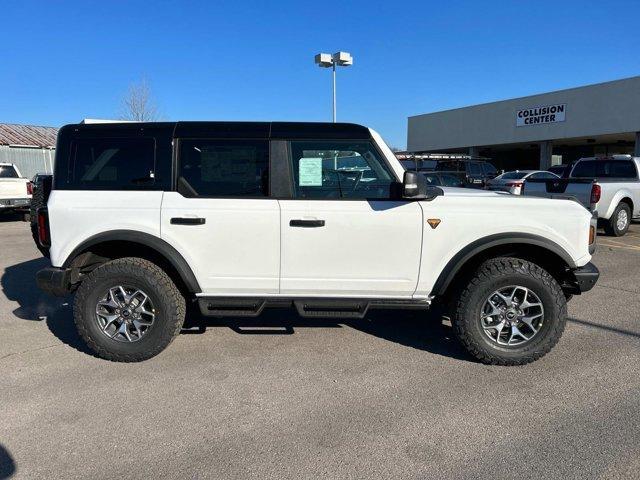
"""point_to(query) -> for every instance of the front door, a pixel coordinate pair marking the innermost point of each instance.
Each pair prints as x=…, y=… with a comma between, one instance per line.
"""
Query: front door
x=222, y=220
x=343, y=234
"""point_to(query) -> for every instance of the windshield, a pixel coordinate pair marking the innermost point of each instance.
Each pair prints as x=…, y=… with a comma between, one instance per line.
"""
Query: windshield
x=7, y=171
x=512, y=175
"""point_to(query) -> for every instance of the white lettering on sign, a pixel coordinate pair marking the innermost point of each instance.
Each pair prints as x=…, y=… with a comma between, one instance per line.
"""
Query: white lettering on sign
x=537, y=115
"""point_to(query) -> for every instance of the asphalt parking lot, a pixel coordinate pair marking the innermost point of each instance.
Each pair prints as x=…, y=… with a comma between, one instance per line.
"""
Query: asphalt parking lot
x=391, y=396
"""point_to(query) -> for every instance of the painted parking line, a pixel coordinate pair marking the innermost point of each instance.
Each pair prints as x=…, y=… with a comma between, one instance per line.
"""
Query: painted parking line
x=613, y=244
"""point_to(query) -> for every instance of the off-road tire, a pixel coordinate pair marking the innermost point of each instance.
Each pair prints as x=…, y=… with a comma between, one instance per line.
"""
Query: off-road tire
x=611, y=227
x=492, y=275
x=168, y=301
x=38, y=200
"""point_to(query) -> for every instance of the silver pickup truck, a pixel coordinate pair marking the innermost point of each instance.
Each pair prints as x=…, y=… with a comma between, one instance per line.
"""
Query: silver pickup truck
x=609, y=186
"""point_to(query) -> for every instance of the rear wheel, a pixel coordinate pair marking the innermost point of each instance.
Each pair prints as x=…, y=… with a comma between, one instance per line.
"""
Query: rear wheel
x=128, y=310
x=618, y=224
x=509, y=312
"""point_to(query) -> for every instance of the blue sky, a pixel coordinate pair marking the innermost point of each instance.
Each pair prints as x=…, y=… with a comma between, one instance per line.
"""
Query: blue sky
x=245, y=60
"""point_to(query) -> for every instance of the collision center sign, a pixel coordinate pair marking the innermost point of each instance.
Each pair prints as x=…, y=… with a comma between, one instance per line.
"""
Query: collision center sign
x=537, y=115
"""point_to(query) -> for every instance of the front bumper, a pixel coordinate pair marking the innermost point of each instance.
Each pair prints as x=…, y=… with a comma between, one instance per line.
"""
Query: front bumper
x=585, y=277
x=54, y=281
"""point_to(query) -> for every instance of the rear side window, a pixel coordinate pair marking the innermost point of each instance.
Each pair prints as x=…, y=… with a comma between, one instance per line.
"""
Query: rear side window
x=112, y=164
x=474, y=169
x=223, y=168
x=453, y=166
x=451, y=181
x=489, y=169
x=605, y=169
x=409, y=164
x=7, y=171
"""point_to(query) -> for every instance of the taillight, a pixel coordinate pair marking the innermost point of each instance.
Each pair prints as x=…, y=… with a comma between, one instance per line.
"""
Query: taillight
x=43, y=228
x=596, y=191
x=514, y=184
x=29, y=188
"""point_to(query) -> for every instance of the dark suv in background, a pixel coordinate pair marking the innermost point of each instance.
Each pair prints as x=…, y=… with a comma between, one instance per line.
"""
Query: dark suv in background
x=477, y=172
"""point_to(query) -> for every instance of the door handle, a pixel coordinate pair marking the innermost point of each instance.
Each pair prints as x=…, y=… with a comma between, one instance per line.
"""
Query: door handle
x=306, y=223
x=187, y=221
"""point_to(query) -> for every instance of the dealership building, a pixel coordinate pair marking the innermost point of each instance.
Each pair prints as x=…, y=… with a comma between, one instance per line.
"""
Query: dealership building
x=537, y=131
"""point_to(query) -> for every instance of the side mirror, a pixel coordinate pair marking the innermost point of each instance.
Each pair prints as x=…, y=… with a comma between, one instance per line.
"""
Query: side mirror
x=415, y=187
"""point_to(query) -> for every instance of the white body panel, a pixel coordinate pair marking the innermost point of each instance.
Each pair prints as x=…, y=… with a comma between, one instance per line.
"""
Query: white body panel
x=365, y=249
x=613, y=192
x=467, y=216
x=237, y=250
x=76, y=215
x=13, y=188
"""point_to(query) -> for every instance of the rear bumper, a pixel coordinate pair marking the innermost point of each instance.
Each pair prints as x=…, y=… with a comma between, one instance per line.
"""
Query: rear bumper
x=12, y=203
x=586, y=277
x=54, y=281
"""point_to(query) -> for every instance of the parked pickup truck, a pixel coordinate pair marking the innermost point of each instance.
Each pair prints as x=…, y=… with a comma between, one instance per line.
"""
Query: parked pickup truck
x=609, y=186
x=144, y=219
x=15, y=191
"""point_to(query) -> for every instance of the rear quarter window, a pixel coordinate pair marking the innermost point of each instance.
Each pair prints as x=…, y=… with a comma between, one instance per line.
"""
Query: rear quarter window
x=110, y=164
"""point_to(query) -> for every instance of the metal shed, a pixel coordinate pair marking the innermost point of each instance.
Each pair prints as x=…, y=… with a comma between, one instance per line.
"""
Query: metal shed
x=30, y=148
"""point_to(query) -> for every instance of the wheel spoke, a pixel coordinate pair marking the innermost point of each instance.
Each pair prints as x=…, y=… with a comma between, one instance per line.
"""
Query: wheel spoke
x=515, y=331
x=496, y=326
x=505, y=299
x=137, y=326
x=495, y=310
x=109, y=319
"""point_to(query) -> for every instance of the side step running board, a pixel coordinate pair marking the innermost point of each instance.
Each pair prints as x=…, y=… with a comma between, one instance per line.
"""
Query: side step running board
x=231, y=307
x=331, y=308
x=306, y=307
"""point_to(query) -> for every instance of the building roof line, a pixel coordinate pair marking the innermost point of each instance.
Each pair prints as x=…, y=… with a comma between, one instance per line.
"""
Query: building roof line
x=636, y=77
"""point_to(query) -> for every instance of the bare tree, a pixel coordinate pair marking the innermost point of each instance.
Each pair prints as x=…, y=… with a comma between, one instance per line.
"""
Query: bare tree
x=139, y=105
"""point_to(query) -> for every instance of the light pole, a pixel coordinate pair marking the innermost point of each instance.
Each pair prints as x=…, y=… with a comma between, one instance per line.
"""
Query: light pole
x=340, y=59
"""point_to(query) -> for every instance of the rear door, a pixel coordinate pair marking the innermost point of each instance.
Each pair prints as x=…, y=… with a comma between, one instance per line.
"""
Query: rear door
x=343, y=233
x=221, y=218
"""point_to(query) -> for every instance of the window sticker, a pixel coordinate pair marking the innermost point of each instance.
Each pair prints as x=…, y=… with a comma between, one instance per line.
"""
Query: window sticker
x=310, y=172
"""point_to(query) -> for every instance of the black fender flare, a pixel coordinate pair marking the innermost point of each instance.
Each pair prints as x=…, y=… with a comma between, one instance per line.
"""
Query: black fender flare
x=160, y=246
x=474, y=248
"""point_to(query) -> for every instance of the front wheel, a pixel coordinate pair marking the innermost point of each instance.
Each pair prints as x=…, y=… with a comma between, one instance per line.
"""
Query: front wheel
x=128, y=310
x=509, y=312
x=619, y=222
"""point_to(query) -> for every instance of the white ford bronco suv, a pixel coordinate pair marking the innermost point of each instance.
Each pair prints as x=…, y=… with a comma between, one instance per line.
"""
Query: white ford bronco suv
x=145, y=218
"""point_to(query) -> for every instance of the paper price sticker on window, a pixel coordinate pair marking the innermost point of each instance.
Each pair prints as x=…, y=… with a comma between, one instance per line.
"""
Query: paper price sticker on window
x=310, y=172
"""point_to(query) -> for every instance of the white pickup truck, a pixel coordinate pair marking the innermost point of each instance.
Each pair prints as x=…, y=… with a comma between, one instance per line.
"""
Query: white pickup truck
x=609, y=186
x=235, y=217
x=15, y=191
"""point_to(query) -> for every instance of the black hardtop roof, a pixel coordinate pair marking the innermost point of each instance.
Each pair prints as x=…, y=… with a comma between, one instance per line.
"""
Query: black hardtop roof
x=195, y=129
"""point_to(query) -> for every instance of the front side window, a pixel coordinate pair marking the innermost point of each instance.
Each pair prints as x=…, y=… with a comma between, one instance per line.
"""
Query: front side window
x=223, y=168
x=339, y=169
x=112, y=164
x=8, y=171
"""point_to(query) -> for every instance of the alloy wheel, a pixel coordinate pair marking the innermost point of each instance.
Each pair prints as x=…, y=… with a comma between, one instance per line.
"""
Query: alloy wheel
x=125, y=313
x=512, y=316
